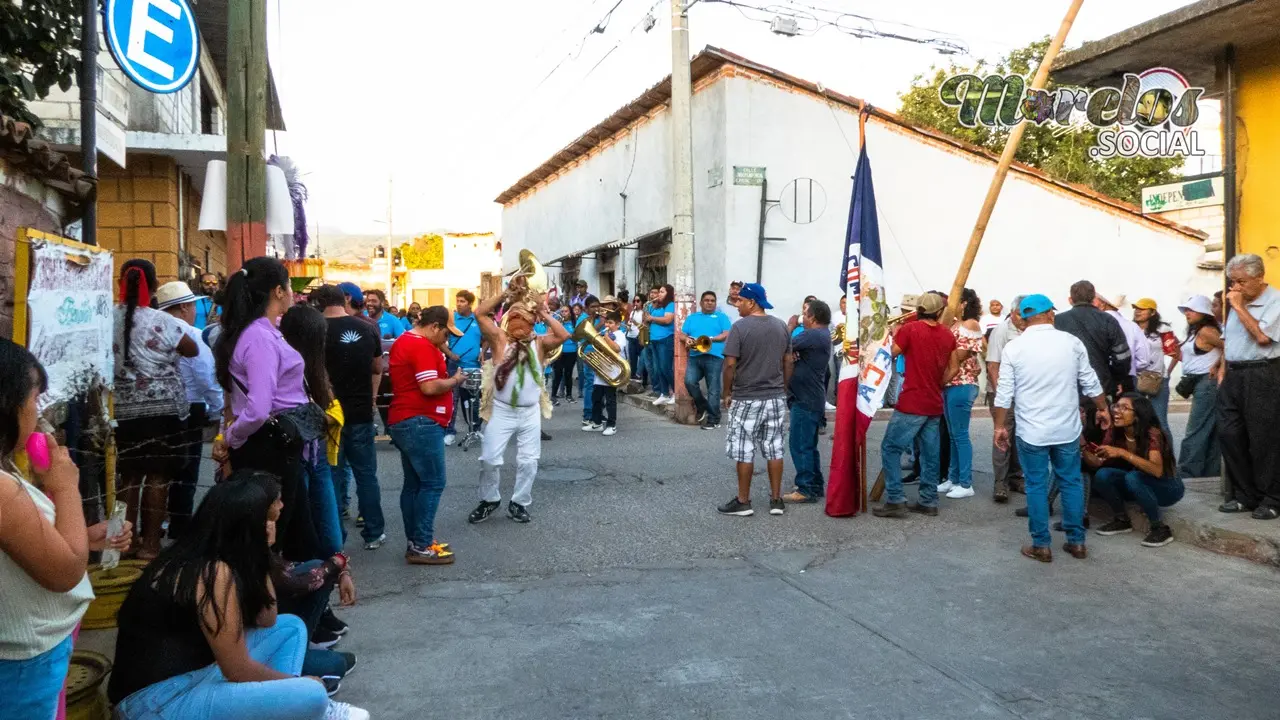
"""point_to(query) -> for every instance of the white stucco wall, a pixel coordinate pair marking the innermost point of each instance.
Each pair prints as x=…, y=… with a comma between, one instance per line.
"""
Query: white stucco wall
x=1040, y=239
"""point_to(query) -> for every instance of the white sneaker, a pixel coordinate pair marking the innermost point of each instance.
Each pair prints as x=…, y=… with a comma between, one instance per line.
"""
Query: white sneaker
x=611, y=431
x=660, y=400
x=343, y=711
x=960, y=492
x=592, y=427
x=831, y=408
x=668, y=400
x=448, y=439
x=946, y=486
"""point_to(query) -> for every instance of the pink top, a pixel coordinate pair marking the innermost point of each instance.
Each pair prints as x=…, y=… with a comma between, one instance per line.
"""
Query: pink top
x=971, y=340
x=272, y=371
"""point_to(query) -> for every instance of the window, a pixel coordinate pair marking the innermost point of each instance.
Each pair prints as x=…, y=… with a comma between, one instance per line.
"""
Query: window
x=606, y=283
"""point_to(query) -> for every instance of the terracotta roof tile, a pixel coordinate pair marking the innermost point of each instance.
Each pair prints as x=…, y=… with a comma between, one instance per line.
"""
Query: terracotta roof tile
x=34, y=156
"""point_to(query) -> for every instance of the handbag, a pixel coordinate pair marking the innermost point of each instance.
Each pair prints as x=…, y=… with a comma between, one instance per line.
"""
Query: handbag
x=1150, y=382
x=1187, y=385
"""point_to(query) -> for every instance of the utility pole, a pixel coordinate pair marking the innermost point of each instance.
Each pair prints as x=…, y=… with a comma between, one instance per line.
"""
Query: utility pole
x=246, y=131
x=391, y=270
x=89, y=114
x=680, y=267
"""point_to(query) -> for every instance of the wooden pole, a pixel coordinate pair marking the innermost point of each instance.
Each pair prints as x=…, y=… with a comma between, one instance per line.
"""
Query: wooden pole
x=1006, y=159
x=246, y=131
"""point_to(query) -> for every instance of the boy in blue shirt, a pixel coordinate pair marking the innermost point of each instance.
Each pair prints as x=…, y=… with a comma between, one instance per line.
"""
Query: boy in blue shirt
x=713, y=323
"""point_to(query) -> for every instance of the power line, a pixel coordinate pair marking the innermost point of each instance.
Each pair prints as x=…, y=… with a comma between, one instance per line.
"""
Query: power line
x=855, y=25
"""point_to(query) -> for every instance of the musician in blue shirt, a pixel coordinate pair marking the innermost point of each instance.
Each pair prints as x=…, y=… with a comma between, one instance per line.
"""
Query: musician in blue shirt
x=706, y=365
x=464, y=349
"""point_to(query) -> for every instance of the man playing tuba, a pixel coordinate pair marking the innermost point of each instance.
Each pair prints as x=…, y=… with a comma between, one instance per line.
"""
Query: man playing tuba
x=514, y=397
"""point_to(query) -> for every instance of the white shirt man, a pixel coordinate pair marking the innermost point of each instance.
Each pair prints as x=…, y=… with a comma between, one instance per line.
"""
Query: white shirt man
x=1139, y=348
x=1045, y=371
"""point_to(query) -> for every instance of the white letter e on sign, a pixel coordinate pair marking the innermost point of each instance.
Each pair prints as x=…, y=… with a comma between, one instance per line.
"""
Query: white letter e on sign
x=143, y=25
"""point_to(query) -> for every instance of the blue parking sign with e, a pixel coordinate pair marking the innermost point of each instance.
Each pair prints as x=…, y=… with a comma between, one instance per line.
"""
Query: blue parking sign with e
x=155, y=42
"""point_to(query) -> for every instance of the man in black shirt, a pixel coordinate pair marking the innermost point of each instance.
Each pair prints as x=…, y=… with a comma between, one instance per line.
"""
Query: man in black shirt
x=807, y=394
x=1102, y=337
x=353, y=357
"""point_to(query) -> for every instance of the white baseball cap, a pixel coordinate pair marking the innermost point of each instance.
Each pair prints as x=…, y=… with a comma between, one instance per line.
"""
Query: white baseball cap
x=1197, y=303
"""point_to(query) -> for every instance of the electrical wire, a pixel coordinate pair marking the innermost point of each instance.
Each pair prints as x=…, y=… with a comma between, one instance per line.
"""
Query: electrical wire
x=811, y=23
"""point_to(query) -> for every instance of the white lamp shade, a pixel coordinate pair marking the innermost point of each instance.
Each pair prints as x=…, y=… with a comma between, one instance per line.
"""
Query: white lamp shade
x=213, y=206
x=279, y=203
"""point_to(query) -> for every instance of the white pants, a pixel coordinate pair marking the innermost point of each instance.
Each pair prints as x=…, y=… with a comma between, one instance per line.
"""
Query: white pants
x=526, y=424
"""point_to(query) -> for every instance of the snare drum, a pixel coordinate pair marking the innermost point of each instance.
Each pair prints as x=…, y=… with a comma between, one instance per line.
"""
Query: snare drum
x=472, y=383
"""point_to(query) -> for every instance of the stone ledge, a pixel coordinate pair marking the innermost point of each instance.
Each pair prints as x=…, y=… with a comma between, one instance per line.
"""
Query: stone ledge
x=1196, y=521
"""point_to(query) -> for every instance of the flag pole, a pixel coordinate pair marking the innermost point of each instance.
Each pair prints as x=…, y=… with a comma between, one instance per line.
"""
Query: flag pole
x=861, y=449
x=1006, y=159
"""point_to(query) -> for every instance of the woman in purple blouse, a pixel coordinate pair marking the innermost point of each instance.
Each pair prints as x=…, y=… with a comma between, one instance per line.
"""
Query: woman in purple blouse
x=271, y=417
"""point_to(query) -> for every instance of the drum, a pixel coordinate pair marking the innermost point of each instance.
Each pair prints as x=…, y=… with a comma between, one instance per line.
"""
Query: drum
x=472, y=383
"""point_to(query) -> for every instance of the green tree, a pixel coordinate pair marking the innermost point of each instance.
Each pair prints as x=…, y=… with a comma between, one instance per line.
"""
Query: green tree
x=39, y=48
x=426, y=253
x=1060, y=153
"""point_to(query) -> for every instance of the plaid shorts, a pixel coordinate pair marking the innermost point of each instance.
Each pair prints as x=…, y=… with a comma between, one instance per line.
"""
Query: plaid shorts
x=756, y=423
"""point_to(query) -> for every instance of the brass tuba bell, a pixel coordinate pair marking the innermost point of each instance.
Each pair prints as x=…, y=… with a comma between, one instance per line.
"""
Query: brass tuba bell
x=607, y=363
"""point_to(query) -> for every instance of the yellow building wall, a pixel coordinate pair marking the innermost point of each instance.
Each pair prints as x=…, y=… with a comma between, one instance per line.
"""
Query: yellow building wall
x=1258, y=155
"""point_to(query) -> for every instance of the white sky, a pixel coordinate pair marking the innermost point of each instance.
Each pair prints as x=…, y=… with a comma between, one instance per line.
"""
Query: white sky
x=445, y=96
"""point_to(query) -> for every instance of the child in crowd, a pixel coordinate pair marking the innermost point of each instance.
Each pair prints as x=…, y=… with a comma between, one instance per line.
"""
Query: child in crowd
x=604, y=397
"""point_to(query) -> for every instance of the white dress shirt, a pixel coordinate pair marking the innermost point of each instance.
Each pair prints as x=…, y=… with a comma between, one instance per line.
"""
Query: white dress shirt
x=1139, y=348
x=1044, y=371
x=198, y=376
x=1239, y=345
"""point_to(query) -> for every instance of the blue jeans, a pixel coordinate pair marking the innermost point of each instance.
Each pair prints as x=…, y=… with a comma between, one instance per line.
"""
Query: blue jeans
x=705, y=367
x=421, y=443
x=358, y=453
x=633, y=353
x=804, y=451
x=1161, y=404
x=899, y=437
x=1065, y=461
x=662, y=361
x=32, y=686
x=323, y=501
x=586, y=379
x=205, y=694
x=1200, y=455
x=958, y=404
x=1150, y=493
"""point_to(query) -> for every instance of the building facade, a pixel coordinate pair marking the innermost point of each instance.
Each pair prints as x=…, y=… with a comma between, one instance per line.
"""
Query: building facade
x=601, y=208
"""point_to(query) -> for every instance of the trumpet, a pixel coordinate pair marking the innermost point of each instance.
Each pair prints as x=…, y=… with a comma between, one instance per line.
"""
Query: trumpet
x=702, y=344
x=607, y=363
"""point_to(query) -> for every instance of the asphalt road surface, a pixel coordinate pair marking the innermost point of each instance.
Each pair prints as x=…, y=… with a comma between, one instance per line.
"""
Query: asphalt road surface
x=628, y=596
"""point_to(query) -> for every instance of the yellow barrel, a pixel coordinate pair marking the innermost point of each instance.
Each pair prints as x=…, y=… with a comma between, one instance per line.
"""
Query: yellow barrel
x=110, y=588
x=85, y=697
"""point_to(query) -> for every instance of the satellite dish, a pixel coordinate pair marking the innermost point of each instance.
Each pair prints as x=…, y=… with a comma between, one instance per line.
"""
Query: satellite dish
x=803, y=200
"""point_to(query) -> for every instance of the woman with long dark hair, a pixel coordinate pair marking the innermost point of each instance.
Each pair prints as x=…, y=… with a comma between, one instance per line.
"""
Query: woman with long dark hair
x=272, y=416
x=960, y=390
x=151, y=406
x=1135, y=463
x=199, y=633
x=1201, y=354
x=304, y=328
x=562, y=374
x=44, y=549
x=662, y=343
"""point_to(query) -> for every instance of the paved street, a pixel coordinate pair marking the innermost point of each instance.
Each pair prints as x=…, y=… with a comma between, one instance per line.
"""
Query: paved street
x=629, y=597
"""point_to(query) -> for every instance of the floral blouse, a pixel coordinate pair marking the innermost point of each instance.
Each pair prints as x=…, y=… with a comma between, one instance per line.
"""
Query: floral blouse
x=971, y=340
x=149, y=383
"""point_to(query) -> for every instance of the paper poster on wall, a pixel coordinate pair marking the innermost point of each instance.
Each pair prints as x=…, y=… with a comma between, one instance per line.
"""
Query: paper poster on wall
x=63, y=312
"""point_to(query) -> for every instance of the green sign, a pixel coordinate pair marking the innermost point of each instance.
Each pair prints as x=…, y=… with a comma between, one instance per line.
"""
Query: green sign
x=748, y=175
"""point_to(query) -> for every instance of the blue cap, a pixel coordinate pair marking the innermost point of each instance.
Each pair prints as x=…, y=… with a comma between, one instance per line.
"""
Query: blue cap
x=755, y=293
x=1033, y=305
x=352, y=291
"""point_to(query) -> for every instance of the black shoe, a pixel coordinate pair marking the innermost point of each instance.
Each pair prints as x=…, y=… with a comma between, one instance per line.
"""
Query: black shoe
x=1234, y=506
x=546, y=435
x=350, y=660
x=555, y=403
x=332, y=684
x=702, y=416
x=736, y=507
x=323, y=639
x=1000, y=496
x=890, y=510
x=570, y=401
x=516, y=512
x=776, y=506
x=1020, y=512
x=483, y=511
x=917, y=508
x=1265, y=512
x=708, y=425
x=330, y=622
x=1118, y=525
x=911, y=479
x=359, y=521
x=1159, y=536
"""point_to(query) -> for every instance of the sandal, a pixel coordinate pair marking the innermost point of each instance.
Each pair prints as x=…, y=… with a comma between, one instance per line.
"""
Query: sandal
x=1232, y=506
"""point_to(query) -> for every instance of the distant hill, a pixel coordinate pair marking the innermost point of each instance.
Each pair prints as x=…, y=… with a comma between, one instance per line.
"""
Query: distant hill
x=344, y=247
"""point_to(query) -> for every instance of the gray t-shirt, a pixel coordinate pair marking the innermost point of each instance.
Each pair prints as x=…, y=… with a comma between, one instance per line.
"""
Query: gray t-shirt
x=759, y=342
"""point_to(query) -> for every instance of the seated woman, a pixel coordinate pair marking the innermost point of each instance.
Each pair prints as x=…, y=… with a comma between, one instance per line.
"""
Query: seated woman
x=1135, y=463
x=199, y=630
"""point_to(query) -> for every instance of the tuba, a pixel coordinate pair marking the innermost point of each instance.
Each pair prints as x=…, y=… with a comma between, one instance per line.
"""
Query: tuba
x=604, y=360
x=702, y=344
x=526, y=290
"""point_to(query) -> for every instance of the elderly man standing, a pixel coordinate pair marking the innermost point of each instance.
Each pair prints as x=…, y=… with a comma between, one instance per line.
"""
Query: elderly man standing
x=1044, y=371
x=1248, y=405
